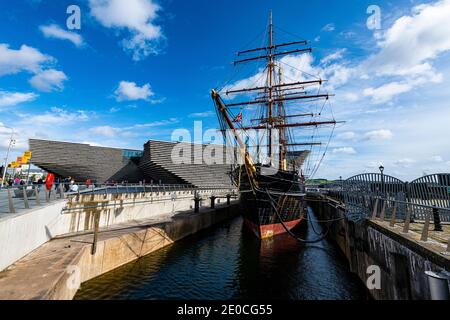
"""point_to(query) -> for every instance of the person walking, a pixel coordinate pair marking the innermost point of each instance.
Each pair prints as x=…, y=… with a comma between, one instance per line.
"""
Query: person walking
x=40, y=182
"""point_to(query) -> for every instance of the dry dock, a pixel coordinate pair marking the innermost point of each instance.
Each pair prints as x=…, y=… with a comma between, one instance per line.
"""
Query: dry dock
x=96, y=233
x=402, y=257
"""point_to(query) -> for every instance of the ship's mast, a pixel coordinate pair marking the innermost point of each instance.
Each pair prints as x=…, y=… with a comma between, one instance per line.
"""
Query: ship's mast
x=270, y=73
x=274, y=93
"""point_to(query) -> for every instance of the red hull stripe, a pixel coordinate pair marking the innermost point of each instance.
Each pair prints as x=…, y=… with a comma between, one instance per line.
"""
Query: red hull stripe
x=271, y=230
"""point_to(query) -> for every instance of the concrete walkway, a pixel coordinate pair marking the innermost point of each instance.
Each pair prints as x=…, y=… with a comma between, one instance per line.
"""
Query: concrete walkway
x=56, y=269
x=19, y=204
x=437, y=242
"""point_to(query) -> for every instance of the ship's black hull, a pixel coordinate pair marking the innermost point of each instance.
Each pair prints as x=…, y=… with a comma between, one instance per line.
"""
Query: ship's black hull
x=282, y=190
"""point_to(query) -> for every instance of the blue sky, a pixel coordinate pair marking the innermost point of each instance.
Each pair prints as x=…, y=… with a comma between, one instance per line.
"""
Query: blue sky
x=137, y=70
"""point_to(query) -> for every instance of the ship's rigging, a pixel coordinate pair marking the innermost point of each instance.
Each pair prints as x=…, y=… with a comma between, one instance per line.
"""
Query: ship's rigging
x=272, y=98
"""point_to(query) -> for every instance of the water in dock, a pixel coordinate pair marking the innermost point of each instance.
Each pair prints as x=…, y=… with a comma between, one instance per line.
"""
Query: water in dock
x=228, y=262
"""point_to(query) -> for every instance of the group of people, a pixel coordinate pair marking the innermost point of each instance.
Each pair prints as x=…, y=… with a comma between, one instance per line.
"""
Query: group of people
x=68, y=183
x=14, y=182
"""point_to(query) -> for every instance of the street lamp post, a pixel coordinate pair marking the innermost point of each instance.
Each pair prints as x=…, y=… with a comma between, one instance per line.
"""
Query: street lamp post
x=12, y=142
x=382, y=180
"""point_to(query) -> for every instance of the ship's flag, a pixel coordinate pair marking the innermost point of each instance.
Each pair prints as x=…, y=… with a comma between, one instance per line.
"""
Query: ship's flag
x=238, y=118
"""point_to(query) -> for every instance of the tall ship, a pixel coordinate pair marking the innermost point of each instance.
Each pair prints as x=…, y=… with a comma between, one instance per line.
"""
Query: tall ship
x=273, y=125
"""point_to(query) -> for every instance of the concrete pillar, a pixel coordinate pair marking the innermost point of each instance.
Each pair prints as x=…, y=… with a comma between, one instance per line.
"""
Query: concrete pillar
x=36, y=192
x=10, y=202
x=383, y=210
x=394, y=213
x=375, y=209
x=424, y=236
x=61, y=191
x=407, y=218
x=25, y=198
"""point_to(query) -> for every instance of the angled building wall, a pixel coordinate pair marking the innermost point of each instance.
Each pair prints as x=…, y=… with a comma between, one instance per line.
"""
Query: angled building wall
x=158, y=158
x=83, y=161
x=155, y=163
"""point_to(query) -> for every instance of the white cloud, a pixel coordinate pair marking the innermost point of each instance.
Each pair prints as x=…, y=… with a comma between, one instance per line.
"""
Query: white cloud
x=346, y=135
x=158, y=101
x=155, y=124
x=345, y=150
x=106, y=131
x=111, y=132
x=404, y=163
x=382, y=134
x=334, y=56
x=386, y=92
x=329, y=27
x=24, y=59
x=56, y=116
x=129, y=91
x=49, y=80
x=204, y=114
x=351, y=96
x=437, y=159
x=412, y=40
x=55, y=31
x=9, y=99
x=373, y=165
x=137, y=17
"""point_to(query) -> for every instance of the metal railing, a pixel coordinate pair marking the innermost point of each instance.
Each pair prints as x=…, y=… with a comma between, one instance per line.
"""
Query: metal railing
x=403, y=212
x=16, y=198
x=395, y=211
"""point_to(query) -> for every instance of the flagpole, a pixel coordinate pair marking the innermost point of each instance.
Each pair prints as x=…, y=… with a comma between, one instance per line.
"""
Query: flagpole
x=11, y=144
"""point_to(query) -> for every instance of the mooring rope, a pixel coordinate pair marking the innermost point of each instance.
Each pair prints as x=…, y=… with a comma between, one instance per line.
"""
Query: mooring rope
x=289, y=231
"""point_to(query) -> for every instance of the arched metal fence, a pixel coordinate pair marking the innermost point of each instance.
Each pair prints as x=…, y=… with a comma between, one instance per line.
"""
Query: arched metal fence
x=431, y=191
x=426, y=196
x=361, y=191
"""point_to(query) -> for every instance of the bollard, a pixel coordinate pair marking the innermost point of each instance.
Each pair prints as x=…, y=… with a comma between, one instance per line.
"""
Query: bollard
x=383, y=210
x=424, y=236
x=448, y=245
x=407, y=219
x=61, y=191
x=438, y=284
x=375, y=209
x=36, y=192
x=394, y=213
x=437, y=220
x=11, y=203
x=213, y=202
x=25, y=198
x=228, y=199
x=197, y=204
